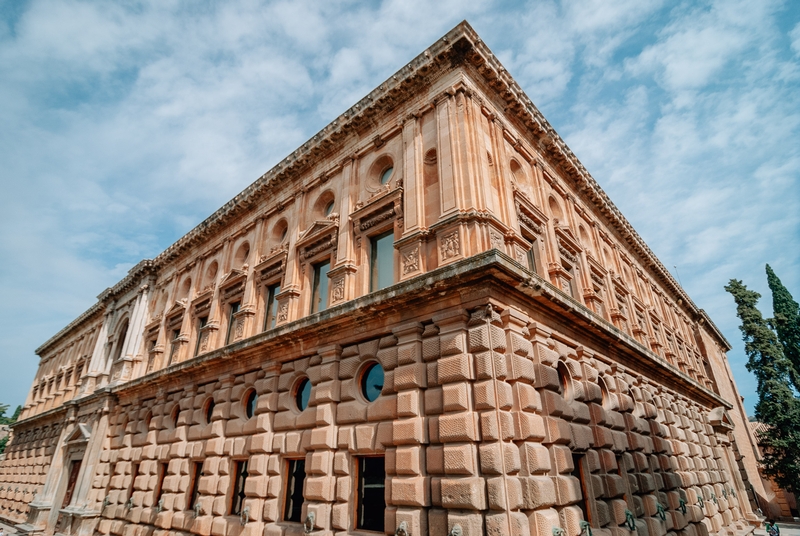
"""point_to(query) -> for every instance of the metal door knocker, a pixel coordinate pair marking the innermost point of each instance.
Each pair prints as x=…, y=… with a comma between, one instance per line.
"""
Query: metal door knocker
x=682, y=506
x=402, y=530
x=585, y=528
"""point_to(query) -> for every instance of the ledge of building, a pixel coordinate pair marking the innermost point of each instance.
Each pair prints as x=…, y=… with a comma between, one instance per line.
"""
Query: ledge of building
x=493, y=267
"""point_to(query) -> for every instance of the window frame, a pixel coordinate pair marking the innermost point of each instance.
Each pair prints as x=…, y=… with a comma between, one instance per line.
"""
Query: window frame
x=194, y=484
x=239, y=470
x=316, y=285
x=374, y=274
x=271, y=305
x=202, y=322
x=358, y=498
x=233, y=306
x=288, y=496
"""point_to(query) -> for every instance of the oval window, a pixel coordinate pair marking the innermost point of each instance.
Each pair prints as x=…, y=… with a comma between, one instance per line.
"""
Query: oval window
x=209, y=410
x=328, y=208
x=386, y=175
x=250, y=404
x=303, y=394
x=372, y=382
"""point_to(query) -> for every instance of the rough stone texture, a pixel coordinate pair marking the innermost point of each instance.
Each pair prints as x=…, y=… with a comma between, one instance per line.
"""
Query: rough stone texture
x=522, y=392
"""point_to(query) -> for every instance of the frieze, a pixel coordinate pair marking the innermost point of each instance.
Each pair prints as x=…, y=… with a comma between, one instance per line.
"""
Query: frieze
x=567, y=254
x=233, y=290
x=318, y=247
x=378, y=218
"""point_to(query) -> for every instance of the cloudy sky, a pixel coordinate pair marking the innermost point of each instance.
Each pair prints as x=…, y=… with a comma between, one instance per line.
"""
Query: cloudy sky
x=124, y=124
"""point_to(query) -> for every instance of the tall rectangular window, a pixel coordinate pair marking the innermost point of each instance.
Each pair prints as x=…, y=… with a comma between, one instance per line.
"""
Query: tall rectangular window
x=239, y=478
x=532, y=254
x=296, y=478
x=319, y=293
x=162, y=474
x=381, y=265
x=234, y=308
x=134, y=476
x=174, y=345
x=194, y=488
x=271, y=314
x=74, y=470
x=370, y=496
x=201, y=323
x=577, y=472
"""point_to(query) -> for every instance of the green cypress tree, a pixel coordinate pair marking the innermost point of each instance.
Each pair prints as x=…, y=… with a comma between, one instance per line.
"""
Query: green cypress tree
x=786, y=322
x=777, y=406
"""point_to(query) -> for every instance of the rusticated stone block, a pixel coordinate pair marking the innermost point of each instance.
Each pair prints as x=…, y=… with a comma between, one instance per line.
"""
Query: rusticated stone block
x=460, y=459
x=535, y=458
x=537, y=492
x=468, y=493
x=456, y=396
x=561, y=457
x=410, y=491
x=471, y=524
x=542, y=522
x=568, y=489
x=458, y=427
x=454, y=368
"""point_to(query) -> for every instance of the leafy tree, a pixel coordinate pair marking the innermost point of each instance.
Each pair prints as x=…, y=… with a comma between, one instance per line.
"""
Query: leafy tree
x=7, y=420
x=777, y=406
x=13, y=418
x=786, y=322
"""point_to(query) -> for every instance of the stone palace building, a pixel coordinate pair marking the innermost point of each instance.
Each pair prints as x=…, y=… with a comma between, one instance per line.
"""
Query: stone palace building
x=428, y=319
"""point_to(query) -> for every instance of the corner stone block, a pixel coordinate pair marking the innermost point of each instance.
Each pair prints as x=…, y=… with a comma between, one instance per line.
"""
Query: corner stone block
x=542, y=522
x=466, y=493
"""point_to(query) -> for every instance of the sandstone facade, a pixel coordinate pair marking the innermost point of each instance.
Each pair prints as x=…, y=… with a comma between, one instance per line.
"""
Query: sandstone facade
x=542, y=372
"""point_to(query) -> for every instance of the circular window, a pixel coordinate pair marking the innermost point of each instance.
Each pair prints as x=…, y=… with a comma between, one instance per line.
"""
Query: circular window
x=250, y=404
x=386, y=175
x=372, y=382
x=209, y=410
x=303, y=394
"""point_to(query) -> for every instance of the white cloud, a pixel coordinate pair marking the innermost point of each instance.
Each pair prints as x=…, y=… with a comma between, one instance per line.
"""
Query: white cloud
x=122, y=127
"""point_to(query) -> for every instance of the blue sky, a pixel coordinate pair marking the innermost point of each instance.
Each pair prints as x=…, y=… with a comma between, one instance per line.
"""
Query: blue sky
x=123, y=125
